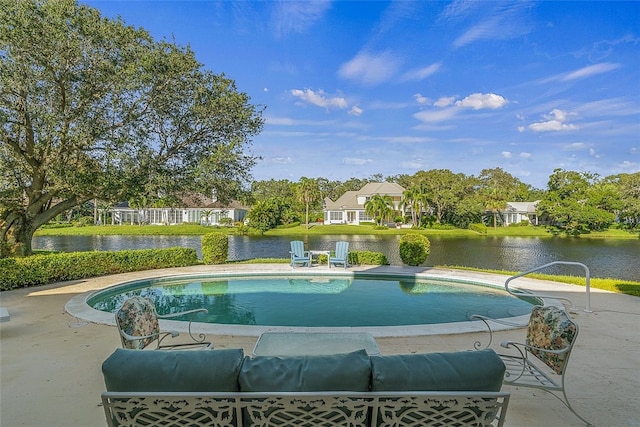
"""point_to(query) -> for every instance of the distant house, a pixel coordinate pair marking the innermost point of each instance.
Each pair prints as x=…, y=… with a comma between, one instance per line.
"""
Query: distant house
x=516, y=212
x=349, y=208
x=195, y=209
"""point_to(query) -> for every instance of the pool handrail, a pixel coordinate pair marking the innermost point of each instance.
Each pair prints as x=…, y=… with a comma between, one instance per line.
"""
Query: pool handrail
x=587, y=287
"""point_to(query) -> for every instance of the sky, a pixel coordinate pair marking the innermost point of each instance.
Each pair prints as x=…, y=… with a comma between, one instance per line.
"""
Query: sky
x=357, y=88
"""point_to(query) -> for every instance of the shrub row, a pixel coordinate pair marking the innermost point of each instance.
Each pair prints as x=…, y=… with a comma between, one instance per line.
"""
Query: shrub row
x=42, y=269
x=361, y=258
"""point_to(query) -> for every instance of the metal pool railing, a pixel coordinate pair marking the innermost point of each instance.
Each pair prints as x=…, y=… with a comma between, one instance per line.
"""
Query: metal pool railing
x=587, y=276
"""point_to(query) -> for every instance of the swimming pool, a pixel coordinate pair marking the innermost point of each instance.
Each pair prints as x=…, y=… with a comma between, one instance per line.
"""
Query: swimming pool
x=286, y=300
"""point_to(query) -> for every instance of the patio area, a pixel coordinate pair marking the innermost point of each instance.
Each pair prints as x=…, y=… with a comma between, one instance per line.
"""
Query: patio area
x=50, y=361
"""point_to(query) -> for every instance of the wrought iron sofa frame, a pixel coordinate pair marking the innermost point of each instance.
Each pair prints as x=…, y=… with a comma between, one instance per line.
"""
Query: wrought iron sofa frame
x=354, y=409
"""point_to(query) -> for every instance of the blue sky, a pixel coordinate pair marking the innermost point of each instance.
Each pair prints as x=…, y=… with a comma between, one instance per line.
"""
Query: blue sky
x=356, y=88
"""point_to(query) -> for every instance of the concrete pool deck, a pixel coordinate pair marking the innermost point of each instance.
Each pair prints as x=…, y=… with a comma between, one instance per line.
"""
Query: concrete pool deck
x=50, y=361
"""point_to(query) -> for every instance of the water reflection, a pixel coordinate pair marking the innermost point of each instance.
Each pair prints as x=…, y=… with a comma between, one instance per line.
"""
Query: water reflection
x=605, y=258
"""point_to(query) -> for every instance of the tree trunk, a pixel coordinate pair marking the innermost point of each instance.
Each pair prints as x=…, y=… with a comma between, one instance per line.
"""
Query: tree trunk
x=16, y=237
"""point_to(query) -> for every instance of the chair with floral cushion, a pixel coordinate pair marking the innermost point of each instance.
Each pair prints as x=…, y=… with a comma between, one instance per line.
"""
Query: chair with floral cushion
x=550, y=337
x=139, y=327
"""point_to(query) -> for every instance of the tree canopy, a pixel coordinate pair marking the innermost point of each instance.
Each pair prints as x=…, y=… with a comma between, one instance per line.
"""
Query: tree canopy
x=92, y=108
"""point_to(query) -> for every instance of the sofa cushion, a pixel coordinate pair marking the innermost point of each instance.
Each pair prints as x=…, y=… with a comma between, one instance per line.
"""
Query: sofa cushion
x=336, y=372
x=173, y=370
x=460, y=371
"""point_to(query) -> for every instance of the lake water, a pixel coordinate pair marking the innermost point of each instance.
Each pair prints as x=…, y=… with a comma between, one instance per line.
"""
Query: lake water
x=605, y=258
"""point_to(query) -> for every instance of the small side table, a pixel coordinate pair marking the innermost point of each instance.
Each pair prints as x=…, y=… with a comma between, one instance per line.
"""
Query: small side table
x=314, y=343
x=316, y=253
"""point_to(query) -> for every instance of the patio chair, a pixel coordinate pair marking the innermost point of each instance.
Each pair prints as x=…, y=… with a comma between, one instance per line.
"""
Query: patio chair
x=550, y=337
x=341, y=255
x=139, y=327
x=298, y=254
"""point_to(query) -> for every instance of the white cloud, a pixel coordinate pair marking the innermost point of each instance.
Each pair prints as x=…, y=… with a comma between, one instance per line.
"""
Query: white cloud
x=356, y=161
x=411, y=164
x=479, y=101
x=434, y=116
x=583, y=72
x=494, y=20
x=355, y=111
x=590, y=71
x=421, y=99
x=370, y=68
x=506, y=154
x=445, y=101
x=297, y=17
x=282, y=160
x=320, y=99
x=555, y=121
x=575, y=146
x=525, y=155
x=421, y=73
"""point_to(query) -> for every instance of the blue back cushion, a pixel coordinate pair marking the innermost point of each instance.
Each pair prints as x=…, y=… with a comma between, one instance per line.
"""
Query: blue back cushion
x=173, y=370
x=460, y=371
x=336, y=372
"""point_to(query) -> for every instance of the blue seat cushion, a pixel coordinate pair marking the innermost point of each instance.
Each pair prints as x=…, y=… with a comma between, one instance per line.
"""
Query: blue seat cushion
x=173, y=370
x=336, y=372
x=460, y=371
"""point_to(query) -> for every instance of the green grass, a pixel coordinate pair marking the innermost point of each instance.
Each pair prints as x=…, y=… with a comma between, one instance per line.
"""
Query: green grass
x=134, y=230
x=301, y=230
x=620, y=286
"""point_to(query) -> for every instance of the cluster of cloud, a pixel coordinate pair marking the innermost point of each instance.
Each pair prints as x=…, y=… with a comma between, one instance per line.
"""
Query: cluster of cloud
x=372, y=68
x=449, y=107
x=321, y=99
x=555, y=121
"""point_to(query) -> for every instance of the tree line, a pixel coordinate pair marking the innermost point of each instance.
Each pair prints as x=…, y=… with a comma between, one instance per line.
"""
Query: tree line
x=573, y=202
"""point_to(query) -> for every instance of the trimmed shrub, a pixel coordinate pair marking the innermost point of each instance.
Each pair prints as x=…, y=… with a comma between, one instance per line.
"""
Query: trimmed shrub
x=478, y=228
x=57, y=267
x=414, y=249
x=367, y=258
x=215, y=248
x=361, y=258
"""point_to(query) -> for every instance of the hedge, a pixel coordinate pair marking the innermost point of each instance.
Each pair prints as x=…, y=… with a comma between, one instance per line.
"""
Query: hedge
x=42, y=269
x=361, y=258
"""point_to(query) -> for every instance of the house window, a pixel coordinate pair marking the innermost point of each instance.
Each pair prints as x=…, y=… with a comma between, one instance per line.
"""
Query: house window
x=364, y=217
x=335, y=216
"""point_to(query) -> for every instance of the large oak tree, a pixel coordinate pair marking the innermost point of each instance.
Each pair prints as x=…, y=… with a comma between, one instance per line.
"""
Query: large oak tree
x=93, y=108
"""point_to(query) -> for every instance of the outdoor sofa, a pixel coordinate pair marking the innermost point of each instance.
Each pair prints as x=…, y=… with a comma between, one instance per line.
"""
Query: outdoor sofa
x=225, y=388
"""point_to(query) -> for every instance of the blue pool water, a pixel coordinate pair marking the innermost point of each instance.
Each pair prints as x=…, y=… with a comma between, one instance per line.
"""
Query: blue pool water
x=306, y=301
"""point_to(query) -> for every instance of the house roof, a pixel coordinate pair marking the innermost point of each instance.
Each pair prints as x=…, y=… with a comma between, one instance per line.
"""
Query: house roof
x=382, y=188
x=349, y=200
x=529, y=207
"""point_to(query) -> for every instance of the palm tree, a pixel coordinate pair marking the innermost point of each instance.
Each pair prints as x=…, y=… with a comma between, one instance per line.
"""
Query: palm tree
x=308, y=192
x=416, y=200
x=379, y=207
x=495, y=203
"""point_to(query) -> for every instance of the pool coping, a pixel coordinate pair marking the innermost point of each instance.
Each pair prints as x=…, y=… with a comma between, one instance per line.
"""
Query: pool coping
x=79, y=308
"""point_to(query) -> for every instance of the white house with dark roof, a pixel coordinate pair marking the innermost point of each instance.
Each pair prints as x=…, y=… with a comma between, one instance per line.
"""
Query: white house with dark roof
x=349, y=208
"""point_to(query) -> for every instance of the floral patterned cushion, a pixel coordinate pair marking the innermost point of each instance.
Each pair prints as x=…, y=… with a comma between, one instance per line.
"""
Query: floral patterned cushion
x=550, y=328
x=138, y=317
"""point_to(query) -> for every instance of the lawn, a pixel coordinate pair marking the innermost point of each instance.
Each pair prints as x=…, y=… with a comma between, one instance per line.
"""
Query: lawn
x=314, y=229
